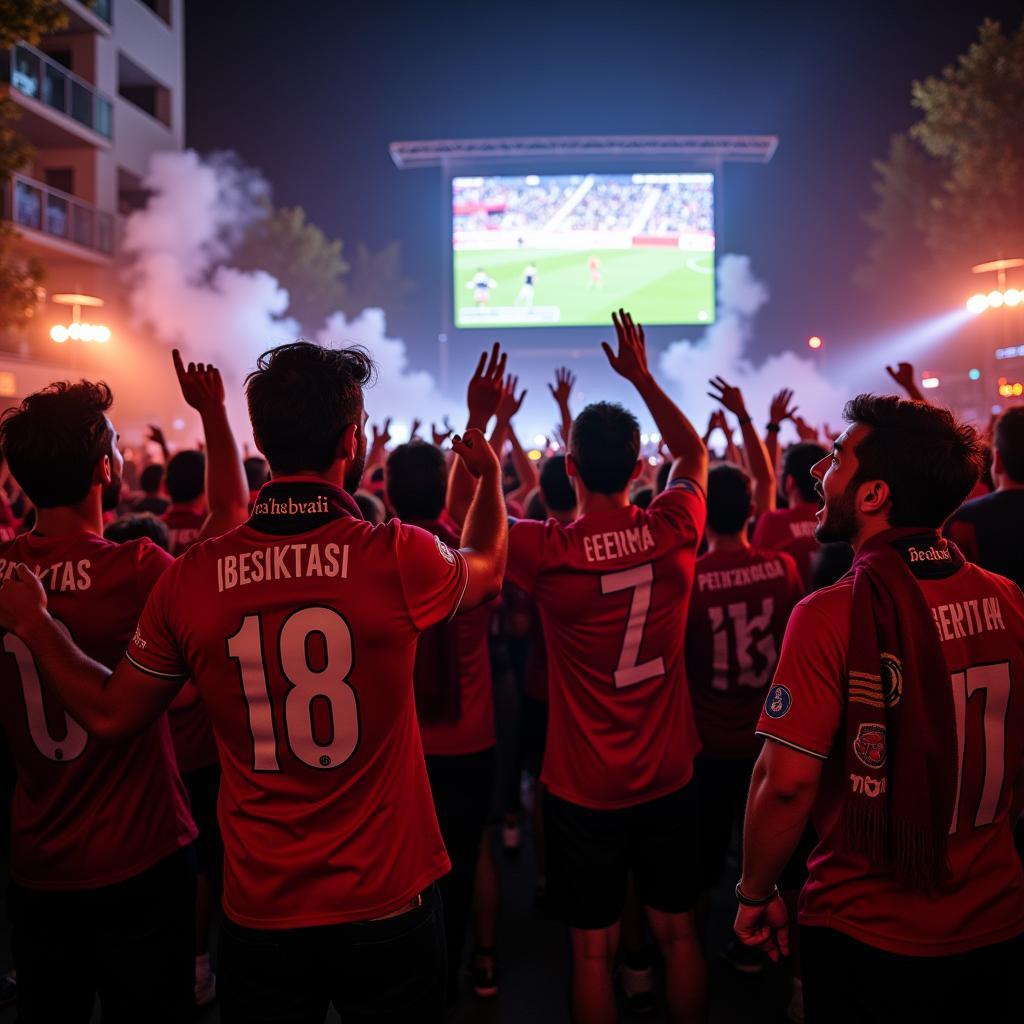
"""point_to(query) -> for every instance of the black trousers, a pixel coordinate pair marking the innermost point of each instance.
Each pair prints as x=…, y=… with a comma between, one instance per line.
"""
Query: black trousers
x=132, y=944
x=848, y=982
x=462, y=786
x=384, y=972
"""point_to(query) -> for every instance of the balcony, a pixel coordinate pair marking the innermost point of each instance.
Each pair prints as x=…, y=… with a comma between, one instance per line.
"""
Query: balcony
x=47, y=84
x=58, y=220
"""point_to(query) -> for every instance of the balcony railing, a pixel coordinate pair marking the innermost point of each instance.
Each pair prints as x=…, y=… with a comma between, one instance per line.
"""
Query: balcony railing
x=31, y=204
x=40, y=78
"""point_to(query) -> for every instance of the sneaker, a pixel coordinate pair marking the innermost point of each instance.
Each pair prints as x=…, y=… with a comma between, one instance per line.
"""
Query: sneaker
x=510, y=839
x=742, y=958
x=9, y=989
x=637, y=989
x=485, y=976
x=206, y=989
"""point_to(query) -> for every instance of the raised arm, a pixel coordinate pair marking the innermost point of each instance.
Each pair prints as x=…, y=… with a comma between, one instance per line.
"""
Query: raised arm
x=565, y=381
x=227, y=491
x=681, y=439
x=156, y=435
x=378, y=453
x=484, y=542
x=111, y=706
x=503, y=430
x=757, y=454
x=903, y=374
x=483, y=395
x=780, y=409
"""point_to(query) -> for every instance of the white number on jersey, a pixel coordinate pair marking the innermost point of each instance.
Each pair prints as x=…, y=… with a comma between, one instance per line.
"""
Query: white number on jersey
x=75, y=737
x=994, y=680
x=306, y=685
x=734, y=617
x=640, y=580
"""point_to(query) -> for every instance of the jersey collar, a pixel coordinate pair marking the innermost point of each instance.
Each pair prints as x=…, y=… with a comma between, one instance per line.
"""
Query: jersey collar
x=928, y=555
x=297, y=504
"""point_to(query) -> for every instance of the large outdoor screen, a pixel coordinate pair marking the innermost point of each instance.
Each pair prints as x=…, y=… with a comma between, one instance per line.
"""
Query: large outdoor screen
x=564, y=249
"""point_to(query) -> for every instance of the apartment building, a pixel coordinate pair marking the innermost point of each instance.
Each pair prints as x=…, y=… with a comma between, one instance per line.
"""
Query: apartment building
x=96, y=99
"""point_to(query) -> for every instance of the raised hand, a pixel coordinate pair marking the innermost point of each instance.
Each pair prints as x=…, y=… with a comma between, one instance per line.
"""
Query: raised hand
x=156, y=435
x=782, y=407
x=476, y=454
x=903, y=374
x=730, y=397
x=631, y=360
x=565, y=381
x=414, y=432
x=201, y=384
x=486, y=386
x=440, y=436
x=21, y=597
x=805, y=430
x=382, y=434
x=509, y=404
x=717, y=421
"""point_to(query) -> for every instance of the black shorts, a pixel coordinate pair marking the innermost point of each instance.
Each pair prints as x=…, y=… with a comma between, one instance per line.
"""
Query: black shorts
x=848, y=982
x=132, y=944
x=202, y=786
x=374, y=972
x=533, y=734
x=723, y=783
x=590, y=854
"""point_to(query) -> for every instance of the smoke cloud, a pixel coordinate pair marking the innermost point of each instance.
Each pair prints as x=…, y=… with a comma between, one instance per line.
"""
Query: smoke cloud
x=721, y=351
x=183, y=287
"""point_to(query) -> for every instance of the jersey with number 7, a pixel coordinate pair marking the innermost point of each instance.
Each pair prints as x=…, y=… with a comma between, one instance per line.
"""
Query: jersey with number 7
x=613, y=590
x=300, y=630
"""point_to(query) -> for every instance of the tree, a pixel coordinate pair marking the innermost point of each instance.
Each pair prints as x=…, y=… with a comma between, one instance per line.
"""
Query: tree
x=949, y=191
x=376, y=280
x=302, y=259
x=20, y=278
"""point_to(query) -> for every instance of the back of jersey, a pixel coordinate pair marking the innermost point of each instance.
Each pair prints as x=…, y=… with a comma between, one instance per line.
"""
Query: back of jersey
x=86, y=814
x=738, y=613
x=613, y=591
x=300, y=631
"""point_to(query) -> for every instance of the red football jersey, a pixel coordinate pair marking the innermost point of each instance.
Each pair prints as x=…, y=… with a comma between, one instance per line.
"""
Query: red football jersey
x=466, y=637
x=300, y=630
x=980, y=620
x=86, y=814
x=738, y=613
x=790, y=530
x=184, y=523
x=613, y=590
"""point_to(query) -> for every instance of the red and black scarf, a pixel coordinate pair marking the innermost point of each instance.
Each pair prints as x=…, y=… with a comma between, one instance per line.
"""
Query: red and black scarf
x=900, y=726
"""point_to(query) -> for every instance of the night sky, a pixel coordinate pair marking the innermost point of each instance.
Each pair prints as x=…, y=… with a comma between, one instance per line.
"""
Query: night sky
x=311, y=93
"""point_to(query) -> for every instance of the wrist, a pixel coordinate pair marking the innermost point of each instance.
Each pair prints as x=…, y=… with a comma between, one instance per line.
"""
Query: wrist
x=743, y=417
x=750, y=895
x=772, y=427
x=477, y=421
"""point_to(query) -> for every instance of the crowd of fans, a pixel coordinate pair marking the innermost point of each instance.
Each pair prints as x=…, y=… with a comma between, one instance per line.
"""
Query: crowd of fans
x=266, y=684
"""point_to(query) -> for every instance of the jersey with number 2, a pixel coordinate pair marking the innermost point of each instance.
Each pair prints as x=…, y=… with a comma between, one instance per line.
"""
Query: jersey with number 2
x=613, y=590
x=302, y=645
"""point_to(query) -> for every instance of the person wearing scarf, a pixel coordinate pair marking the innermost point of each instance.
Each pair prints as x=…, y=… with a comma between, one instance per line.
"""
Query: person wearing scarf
x=896, y=715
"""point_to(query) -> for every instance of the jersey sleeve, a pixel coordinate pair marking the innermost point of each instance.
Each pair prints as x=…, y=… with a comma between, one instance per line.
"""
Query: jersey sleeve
x=805, y=702
x=682, y=507
x=795, y=589
x=525, y=552
x=433, y=576
x=154, y=648
x=151, y=562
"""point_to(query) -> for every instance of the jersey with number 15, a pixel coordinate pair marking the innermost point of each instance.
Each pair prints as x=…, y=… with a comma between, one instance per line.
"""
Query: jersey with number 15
x=613, y=590
x=300, y=630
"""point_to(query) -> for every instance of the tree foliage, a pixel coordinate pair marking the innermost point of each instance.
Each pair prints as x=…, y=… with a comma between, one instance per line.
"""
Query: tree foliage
x=949, y=192
x=20, y=277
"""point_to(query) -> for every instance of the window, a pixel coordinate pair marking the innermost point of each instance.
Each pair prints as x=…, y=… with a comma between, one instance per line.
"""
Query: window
x=161, y=8
x=141, y=89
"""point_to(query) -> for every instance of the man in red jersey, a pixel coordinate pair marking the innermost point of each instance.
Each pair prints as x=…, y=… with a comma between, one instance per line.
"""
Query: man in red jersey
x=103, y=886
x=897, y=715
x=613, y=588
x=454, y=701
x=185, y=483
x=741, y=602
x=300, y=630
x=792, y=529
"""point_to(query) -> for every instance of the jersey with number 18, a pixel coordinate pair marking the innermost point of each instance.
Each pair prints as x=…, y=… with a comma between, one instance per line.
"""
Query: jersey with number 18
x=300, y=630
x=613, y=590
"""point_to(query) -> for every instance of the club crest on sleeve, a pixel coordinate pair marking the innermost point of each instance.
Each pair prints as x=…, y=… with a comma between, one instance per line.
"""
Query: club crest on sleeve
x=869, y=745
x=778, y=702
x=444, y=550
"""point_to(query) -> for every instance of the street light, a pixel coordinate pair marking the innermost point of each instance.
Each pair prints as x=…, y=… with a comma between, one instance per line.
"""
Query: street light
x=79, y=329
x=814, y=342
x=1000, y=295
